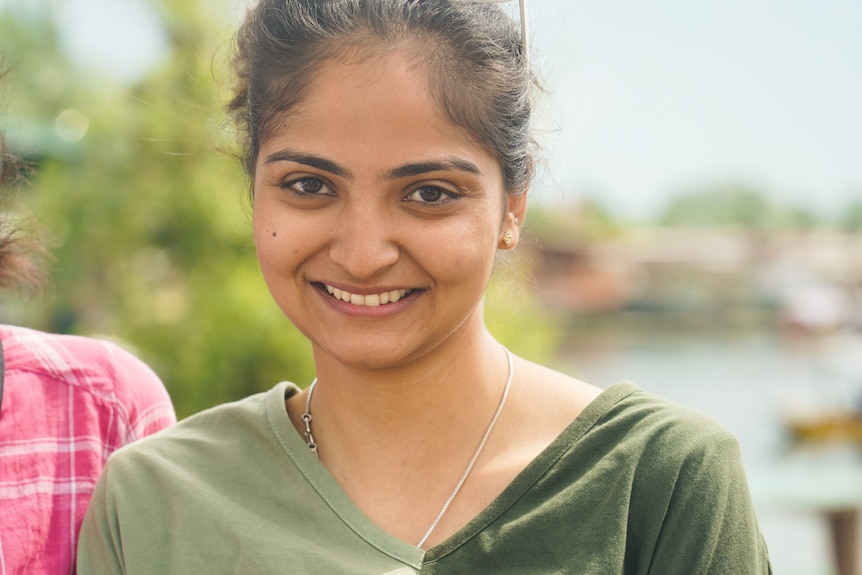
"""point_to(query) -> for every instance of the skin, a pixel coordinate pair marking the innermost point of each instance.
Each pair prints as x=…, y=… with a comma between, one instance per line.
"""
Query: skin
x=366, y=187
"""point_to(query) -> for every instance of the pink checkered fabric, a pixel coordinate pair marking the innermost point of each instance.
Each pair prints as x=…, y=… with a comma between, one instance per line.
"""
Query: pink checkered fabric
x=68, y=403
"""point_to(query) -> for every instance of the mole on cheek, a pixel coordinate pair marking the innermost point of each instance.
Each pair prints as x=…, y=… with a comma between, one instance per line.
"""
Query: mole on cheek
x=274, y=234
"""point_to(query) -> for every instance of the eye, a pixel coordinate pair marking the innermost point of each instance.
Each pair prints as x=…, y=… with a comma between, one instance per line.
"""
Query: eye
x=431, y=195
x=308, y=186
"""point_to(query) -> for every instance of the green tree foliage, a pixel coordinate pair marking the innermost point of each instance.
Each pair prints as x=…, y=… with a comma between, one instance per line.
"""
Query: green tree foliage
x=515, y=316
x=151, y=219
x=851, y=218
x=153, y=242
x=733, y=205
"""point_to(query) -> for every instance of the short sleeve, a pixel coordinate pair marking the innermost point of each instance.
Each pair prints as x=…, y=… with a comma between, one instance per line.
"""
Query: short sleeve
x=710, y=527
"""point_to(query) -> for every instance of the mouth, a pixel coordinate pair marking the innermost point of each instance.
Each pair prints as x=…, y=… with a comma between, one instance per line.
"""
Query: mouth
x=368, y=300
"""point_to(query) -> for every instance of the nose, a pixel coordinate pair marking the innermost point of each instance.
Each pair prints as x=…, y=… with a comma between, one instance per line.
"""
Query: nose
x=364, y=244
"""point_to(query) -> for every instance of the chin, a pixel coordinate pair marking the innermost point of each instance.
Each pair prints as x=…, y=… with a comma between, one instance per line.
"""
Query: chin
x=371, y=357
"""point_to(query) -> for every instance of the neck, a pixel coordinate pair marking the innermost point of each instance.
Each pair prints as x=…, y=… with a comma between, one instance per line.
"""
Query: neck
x=403, y=442
x=424, y=404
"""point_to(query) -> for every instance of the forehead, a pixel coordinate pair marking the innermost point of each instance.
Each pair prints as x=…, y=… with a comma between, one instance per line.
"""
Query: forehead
x=377, y=83
x=380, y=103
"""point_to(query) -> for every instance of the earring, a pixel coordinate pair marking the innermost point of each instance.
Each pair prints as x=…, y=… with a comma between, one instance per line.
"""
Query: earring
x=507, y=239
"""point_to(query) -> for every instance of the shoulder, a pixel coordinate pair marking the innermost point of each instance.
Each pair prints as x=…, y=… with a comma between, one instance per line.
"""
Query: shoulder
x=653, y=420
x=659, y=440
x=215, y=434
x=623, y=420
x=687, y=488
x=662, y=458
x=79, y=360
x=111, y=376
x=205, y=455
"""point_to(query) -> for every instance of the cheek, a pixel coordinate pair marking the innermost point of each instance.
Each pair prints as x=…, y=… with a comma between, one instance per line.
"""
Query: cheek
x=273, y=246
x=266, y=236
x=271, y=232
x=471, y=252
x=275, y=249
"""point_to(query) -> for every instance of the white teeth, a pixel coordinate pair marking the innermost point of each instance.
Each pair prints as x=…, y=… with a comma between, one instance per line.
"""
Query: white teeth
x=370, y=300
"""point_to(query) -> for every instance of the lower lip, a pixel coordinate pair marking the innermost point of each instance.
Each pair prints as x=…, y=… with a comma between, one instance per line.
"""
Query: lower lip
x=362, y=311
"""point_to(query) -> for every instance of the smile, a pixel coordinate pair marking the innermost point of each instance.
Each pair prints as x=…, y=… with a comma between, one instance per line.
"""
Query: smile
x=370, y=300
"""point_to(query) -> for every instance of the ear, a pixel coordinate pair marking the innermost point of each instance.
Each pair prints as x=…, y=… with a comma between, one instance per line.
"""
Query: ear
x=516, y=209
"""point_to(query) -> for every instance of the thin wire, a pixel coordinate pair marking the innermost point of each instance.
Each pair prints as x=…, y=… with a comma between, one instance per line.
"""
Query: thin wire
x=476, y=454
x=525, y=35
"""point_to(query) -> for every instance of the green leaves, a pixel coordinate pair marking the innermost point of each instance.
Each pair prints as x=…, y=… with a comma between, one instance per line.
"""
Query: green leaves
x=153, y=235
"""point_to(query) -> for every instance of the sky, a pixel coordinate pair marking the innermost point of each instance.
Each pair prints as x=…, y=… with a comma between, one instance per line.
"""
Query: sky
x=645, y=98
x=656, y=97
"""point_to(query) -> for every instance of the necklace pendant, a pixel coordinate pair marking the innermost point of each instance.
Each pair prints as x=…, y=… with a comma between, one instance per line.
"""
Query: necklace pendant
x=306, y=419
x=309, y=438
x=312, y=445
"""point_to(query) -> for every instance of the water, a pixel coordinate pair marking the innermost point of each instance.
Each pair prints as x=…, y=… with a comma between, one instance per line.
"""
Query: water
x=751, y=383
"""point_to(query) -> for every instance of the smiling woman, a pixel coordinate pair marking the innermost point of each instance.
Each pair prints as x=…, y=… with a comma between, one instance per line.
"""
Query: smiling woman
x=358, y=209
x=387, y=143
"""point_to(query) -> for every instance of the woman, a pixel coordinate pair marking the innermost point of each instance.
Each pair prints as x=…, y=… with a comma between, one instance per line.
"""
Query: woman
x=388, y=150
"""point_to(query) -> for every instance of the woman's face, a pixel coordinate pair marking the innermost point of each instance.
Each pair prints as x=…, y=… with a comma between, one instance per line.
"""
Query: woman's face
x=376, y=219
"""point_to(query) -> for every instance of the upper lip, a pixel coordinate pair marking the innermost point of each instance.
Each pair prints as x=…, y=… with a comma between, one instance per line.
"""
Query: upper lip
x=363, y=290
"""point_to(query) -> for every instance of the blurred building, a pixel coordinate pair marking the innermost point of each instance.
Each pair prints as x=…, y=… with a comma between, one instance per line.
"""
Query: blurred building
x=811, y=280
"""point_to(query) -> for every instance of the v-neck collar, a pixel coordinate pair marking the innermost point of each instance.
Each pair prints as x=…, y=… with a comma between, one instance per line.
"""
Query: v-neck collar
x=337, y=499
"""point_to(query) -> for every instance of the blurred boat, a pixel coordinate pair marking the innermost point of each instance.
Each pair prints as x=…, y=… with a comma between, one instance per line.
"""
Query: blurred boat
x=827, y=427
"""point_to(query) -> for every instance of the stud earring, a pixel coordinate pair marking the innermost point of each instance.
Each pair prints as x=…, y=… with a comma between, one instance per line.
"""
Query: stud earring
x=508, y=239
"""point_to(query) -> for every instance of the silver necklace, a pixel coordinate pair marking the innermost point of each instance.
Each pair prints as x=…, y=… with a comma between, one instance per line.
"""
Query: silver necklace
x=312, y=445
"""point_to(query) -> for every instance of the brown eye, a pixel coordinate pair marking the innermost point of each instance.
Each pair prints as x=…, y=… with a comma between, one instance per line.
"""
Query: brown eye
x=431, y=195
x=308, y=186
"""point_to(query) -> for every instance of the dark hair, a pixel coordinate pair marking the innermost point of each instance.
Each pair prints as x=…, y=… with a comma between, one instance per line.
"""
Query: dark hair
x=479, y=72
x=20, y=253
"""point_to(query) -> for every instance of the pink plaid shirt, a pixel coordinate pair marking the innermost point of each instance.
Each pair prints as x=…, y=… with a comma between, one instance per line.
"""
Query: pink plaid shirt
x=68, y=403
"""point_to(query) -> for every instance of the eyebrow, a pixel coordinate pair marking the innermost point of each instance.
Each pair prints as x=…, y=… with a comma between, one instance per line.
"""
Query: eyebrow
x=405, y=171
x=420, y=168
x=308, y=160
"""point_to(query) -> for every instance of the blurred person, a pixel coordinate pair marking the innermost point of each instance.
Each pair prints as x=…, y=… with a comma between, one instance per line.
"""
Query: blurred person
x=66, y=403
x=388, y=148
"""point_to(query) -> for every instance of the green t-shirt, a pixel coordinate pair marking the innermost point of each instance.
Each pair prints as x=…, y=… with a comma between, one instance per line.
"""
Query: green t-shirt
x=635, y=485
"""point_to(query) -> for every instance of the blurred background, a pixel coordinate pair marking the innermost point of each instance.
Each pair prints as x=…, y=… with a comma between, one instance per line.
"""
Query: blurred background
x=696, y=225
